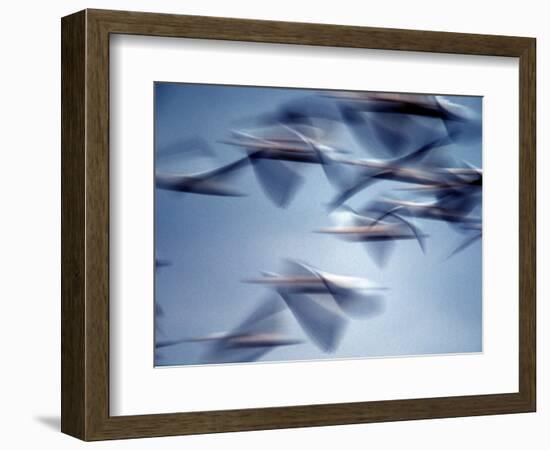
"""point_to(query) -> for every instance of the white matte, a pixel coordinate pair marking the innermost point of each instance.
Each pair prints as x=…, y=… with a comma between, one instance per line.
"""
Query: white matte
x=138, y=388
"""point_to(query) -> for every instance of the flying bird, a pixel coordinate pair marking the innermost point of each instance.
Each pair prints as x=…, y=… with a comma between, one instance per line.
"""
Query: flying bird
x=213, y=182
x=274, y=154
x=452, y=211
x=379, y=236
x=259, y=333
x=322, y=302
x=390, y=123
x=405, y=169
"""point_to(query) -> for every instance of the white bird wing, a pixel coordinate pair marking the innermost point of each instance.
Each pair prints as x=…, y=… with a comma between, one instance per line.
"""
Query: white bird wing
x=298, y=268
x=351, y=300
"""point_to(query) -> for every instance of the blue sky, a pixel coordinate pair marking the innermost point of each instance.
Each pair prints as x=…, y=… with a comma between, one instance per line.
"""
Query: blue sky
x=433, y=305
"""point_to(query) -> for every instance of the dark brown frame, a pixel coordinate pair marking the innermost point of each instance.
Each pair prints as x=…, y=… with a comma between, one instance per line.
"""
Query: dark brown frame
x=85, y=224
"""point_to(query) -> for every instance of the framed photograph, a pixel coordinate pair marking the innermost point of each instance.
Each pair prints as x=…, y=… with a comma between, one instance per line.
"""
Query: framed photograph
x=273, y=225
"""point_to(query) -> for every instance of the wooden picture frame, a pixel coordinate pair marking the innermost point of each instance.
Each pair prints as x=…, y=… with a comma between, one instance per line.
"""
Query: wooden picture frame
x=85, y=224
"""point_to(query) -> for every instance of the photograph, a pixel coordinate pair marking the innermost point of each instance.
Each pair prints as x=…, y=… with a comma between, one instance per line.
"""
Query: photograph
x=302, y=224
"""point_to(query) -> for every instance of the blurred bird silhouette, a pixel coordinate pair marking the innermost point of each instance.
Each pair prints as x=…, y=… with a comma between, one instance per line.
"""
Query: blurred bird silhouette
x=213, y=182
x=452, y=210
x=405, y=169
x=259, y=333
x=379, y=236
x=274, y=151
x=321, y=302
x=390, y=124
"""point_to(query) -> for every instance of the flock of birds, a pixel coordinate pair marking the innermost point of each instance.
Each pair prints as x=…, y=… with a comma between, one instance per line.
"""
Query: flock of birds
x=408, y=139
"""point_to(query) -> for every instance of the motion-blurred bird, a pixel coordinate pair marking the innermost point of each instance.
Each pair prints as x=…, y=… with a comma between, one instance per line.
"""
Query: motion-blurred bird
x=379, y=236
x=273, y=153
x=405, y=169
x=260, y=333
x=390, y=123
x=321, y=301
x=213, y=182
x=452, y=211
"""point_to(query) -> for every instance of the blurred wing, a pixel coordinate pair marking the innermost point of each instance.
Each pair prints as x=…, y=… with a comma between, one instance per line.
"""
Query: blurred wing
x=466, y=131
x=171, y=182
x=426, y=149
x=361, y=305
x=278, y=181
x=362, y=183
x=340, y=175
x=323, y=323
x=380, y=251
x=187, y=148
x=464, y=245
x=179, y=182
x=362, y=131
x=353, y=303
x=346, y=216
x=461, y=200
x=297, y=268
x=417, y=233
x=388, y=129
x=262, y=318
x=225, y=172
